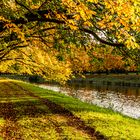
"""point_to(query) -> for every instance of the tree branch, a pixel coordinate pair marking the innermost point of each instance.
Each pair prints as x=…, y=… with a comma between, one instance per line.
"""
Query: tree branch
x=22, y=5
x=100, y=39
x=34, y=17
x=10, y=49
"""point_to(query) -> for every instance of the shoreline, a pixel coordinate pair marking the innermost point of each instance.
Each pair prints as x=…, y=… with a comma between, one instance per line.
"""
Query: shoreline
x=76, y=119
x=111, y=79
x=124, y=80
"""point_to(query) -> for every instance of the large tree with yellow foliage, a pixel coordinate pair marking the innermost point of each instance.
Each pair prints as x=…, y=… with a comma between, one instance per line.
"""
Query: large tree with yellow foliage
x=50, y=37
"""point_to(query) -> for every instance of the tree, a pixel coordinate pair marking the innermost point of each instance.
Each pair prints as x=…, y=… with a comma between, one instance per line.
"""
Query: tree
x=109, y=59
x=37, y=36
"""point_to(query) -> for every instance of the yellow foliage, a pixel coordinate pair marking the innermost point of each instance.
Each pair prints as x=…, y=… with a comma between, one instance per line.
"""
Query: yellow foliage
x=94, y=1
x=54, y=33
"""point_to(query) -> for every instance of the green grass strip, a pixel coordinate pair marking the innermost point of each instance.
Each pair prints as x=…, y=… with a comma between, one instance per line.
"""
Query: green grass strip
x=111, y=124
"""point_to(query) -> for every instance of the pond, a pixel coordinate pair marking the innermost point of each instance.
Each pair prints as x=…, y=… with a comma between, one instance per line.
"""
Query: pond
x=123, y=99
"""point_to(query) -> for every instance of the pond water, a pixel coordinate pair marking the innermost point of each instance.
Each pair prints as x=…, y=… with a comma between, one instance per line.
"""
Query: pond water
x=122, y=99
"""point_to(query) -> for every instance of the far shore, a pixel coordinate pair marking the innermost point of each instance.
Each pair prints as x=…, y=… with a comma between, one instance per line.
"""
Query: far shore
x=131, y=80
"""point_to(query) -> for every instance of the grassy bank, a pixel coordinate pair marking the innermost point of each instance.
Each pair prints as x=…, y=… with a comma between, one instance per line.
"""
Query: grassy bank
x=29, y=112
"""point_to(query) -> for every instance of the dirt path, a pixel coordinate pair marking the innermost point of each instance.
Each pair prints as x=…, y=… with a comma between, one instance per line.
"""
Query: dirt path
x=11, y=129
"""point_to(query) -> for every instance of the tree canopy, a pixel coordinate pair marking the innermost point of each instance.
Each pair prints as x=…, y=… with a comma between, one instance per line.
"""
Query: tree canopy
x=53, y=38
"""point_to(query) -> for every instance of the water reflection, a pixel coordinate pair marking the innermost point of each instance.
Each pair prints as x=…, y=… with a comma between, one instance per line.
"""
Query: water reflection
x=123, y=99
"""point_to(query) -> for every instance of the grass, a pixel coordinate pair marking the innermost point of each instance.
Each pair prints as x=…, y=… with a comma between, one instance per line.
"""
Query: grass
x=33, y=113
x=1, y=125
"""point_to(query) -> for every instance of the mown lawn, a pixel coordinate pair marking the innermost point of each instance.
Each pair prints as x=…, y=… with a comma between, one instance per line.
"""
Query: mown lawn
x=28, y=112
